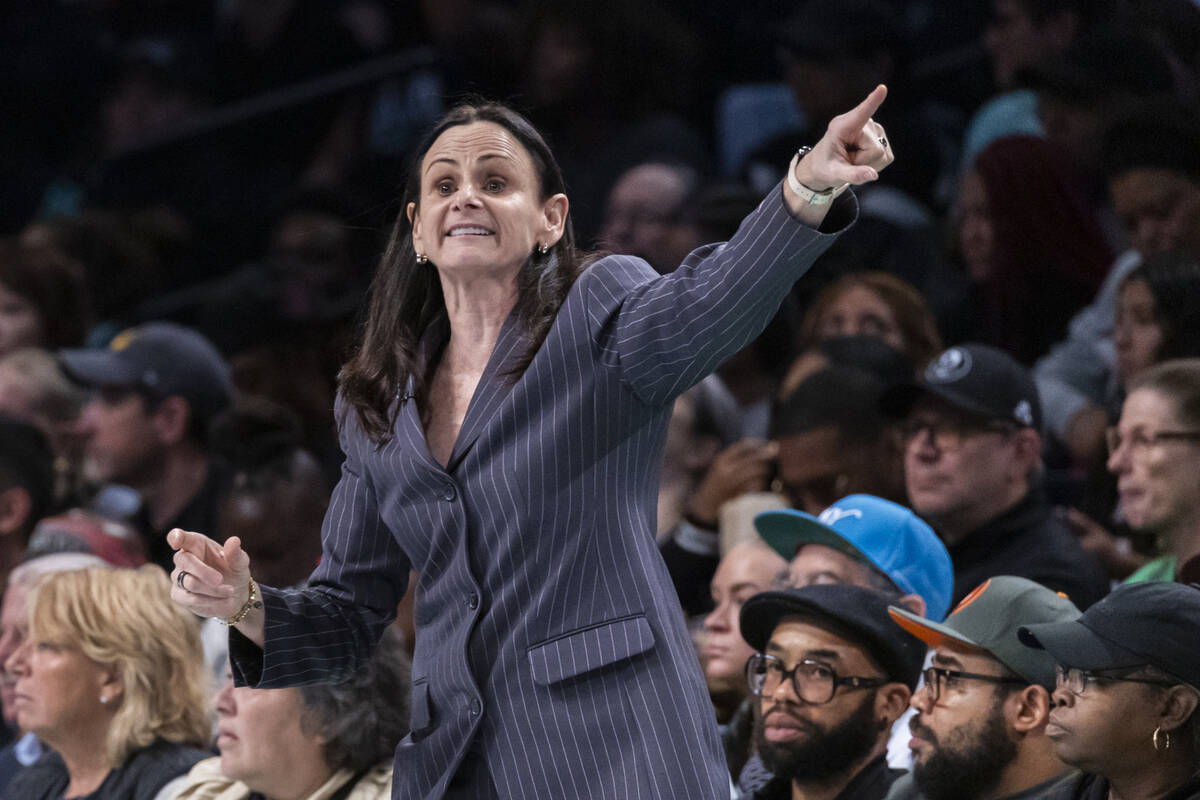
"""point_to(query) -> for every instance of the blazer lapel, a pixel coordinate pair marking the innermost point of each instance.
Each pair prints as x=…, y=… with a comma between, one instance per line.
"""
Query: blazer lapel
x=493, y=387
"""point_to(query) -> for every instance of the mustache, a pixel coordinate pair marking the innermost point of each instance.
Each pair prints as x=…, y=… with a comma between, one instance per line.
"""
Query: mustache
x=920, y=731
x=808, y=726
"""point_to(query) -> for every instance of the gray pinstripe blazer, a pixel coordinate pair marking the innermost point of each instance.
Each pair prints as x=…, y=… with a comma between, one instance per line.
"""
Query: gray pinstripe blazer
x=549, y=637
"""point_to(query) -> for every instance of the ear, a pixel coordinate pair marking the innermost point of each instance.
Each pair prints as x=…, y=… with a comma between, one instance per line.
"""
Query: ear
x=1028, y=710
x=111, y=685
x=171, y=420
x=914, y=603
x=1179, y=704
x=554, y=219
x=891, y=701
x=15, y=508
x=1029, y=449
x=414, y=220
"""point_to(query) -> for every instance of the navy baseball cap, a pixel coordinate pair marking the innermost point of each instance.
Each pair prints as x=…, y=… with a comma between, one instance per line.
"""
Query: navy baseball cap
x=159, y=359
x=856, y=614
x=1139, y=624
x=876, y=531
x=976, y=379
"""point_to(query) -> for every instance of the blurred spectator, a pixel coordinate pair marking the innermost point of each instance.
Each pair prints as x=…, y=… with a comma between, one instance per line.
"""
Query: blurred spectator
x=156, y=389
x=110, y=678
x=866, y=353
x=14, y=629
x=1151, y=157
x=980, y=728
x=1090, y=83
x=831, y=675
x=832, y=441
x=42, y=301
x=33, y=388
x=866, y=541
x=747, y=569
x=277, y=494
x=1032, y=247
x=644, y=216
x=874, y=304
x=610, y=84
x=26, y=487
x=972, y=465
x=311, y=742
x=1153, y=451
x=80, y=530
x=1125, y=706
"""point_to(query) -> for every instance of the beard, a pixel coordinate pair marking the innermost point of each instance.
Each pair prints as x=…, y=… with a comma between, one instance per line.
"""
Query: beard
x=822, y=753
x=970, y=763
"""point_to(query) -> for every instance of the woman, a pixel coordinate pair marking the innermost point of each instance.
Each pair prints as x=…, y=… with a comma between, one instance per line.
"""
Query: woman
x=42, y=302
x=317, y=742
x=1032, y=247
x=111, y=678
x=1127, y=707
x=874, y=304
x=503, y=423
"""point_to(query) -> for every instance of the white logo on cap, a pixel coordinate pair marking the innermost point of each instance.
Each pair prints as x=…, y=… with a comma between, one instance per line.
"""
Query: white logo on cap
x=1023, y=413
x=831, y=515
x=949, y=366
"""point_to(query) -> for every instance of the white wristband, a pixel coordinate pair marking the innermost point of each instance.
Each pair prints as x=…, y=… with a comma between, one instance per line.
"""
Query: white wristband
x=810, y=196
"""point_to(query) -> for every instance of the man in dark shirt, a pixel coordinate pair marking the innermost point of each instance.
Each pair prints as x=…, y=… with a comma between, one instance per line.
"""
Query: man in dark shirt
x=156, y=389
x=972, y=466
x=830, y=676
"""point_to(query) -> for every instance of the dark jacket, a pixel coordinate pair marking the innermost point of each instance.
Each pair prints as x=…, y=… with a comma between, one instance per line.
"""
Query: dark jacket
x=1095, y=787
x=1030, y=542
x=871, y=783
x=141, y=777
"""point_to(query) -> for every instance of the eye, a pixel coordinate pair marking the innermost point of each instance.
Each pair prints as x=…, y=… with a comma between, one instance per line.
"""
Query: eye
x=444, y=187
x=818, y=671
x=494, y=185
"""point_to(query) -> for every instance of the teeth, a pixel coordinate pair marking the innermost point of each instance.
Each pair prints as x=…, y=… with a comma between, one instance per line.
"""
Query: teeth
x=470, y=232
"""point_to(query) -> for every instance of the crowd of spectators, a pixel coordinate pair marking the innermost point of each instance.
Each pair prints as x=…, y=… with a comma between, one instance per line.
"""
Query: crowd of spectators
x=985, y=397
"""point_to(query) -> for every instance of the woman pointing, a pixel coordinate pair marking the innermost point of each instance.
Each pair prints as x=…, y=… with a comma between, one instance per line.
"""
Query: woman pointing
x=503, y=422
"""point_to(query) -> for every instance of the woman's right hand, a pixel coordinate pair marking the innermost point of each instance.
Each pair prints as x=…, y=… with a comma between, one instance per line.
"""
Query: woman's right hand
x=209, y=580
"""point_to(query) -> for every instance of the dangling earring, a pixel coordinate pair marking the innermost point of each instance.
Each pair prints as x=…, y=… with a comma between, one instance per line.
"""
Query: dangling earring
x=422, y=258
x=1166, y=744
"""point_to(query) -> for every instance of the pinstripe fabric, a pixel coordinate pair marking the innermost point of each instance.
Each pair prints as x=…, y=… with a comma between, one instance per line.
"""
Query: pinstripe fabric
x=548, y=632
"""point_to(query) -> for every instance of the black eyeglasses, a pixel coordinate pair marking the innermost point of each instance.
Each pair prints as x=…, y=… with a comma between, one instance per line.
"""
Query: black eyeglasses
x=938, y=677
x=1140, y=440
x=949, y=433
x=812, y=681
x=1077, y=680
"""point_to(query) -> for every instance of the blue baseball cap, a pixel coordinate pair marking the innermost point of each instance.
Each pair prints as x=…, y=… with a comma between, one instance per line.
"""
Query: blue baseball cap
x=876, y=531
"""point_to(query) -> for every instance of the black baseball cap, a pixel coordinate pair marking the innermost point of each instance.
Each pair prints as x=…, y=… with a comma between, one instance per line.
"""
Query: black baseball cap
x=977, y=379
x=160, y=360
x=852, y=612
x=1139, y=624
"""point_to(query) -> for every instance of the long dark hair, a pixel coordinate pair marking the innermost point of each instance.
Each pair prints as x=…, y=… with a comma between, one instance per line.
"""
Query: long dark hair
x=406, y=297
x=1173, y=278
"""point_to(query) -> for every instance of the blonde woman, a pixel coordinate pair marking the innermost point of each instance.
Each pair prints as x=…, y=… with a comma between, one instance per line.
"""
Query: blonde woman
x=111, y=679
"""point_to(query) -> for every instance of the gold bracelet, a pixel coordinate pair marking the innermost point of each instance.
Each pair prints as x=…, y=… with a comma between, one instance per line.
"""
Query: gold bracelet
x=252, y=602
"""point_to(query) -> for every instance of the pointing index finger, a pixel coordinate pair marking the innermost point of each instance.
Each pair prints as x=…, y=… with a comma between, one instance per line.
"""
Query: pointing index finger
x=197, y=544
x=861, y=114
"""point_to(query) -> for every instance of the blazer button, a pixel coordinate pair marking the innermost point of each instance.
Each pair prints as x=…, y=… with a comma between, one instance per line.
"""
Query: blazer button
x=473, y=600
x=449, y=493
x=476, y=707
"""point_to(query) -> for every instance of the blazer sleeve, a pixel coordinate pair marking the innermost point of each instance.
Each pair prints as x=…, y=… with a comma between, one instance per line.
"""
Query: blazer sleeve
x=666, y=332
x=322, y=632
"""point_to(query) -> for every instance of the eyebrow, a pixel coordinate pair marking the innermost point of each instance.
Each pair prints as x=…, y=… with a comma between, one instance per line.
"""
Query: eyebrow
x=454, y=161
x=947, y=661
x=812, y=655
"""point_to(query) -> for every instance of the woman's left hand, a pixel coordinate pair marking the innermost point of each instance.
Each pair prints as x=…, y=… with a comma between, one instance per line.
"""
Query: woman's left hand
x=853, y=150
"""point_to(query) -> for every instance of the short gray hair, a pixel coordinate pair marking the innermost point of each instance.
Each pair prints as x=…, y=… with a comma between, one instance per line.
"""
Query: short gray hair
x=362, y=719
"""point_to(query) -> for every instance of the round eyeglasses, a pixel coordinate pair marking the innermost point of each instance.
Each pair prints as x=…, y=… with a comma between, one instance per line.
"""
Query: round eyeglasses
x=1076, y=681
x=812, y=681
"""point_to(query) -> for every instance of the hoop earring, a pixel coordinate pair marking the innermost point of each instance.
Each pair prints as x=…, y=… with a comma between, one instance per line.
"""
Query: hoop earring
x=422, y=258
x=1166, y=743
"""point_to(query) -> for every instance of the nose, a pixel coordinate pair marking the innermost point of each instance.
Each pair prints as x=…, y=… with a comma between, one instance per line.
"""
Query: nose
x=1062, y=697
x=718, y=619
x=1118, y=459
x=466, y=196
x=920, y=700
x=85, y=423
x=15, y=665
x=224, y=698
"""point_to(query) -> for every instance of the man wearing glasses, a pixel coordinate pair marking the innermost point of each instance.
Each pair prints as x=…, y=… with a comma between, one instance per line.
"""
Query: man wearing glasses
x=830, y=676
x=972, y=466
x=980, y=728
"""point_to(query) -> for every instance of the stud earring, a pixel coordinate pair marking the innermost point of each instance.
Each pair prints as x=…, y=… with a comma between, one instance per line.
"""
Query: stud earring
x=104, y=698
x=542, y=249
x=422, y=258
